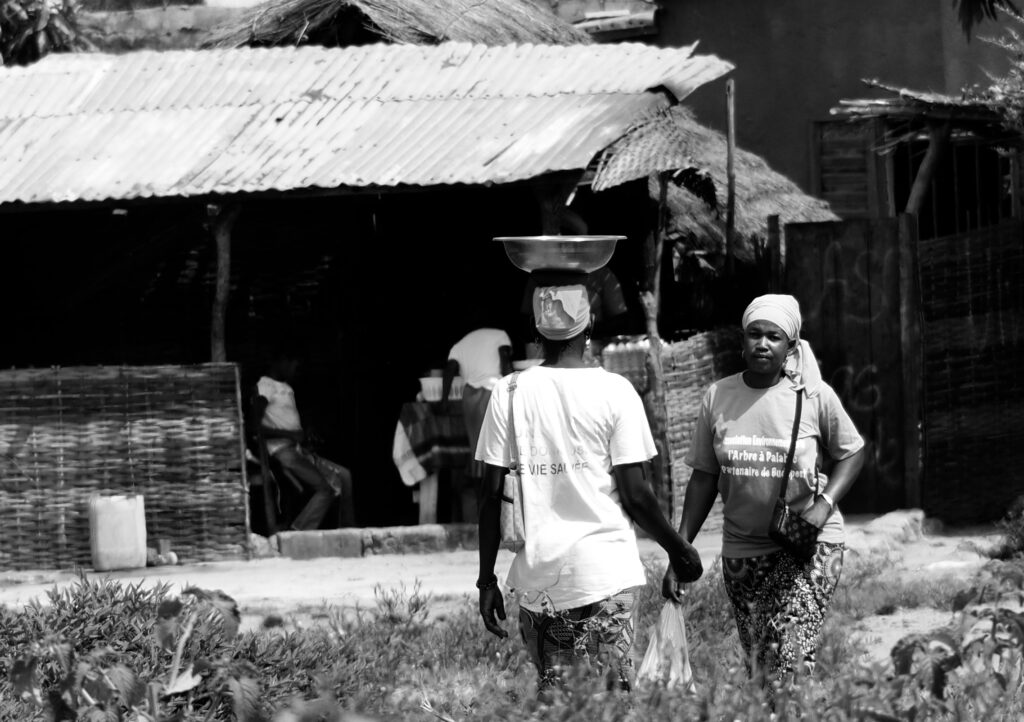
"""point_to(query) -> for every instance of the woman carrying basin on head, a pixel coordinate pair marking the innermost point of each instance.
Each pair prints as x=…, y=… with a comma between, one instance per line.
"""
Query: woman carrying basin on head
x=582, y=438
x=745, y=429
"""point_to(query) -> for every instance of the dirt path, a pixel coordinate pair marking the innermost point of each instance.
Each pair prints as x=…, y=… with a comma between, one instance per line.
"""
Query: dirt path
x=954, y=556
x=300, y=591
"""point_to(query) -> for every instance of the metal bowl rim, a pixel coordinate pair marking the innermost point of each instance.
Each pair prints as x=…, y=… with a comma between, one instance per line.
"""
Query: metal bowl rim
x=570, y=239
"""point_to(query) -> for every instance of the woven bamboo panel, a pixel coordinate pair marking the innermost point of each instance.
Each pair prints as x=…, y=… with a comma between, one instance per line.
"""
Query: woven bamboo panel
x=691, y=366
x=171, y=433
x=972, y=289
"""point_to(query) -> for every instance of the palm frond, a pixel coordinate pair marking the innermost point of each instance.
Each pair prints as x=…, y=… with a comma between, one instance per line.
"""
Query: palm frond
x=974, y=12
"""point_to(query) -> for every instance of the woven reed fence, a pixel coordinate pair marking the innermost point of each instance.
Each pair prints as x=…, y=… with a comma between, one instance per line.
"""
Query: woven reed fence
x=171, y=433
x=691, y=366
x=972, y=291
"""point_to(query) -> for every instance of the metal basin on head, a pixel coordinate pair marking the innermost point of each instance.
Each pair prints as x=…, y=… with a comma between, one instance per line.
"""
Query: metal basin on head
x=584, y=254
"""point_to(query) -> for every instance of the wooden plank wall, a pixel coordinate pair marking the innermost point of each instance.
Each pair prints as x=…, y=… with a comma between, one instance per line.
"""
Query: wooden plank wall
x=847, y=172
x=847, y=278
x=972, y=287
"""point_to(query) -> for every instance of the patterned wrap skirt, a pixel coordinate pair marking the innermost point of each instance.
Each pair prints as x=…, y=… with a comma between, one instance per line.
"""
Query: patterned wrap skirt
x=598, y=635
x=780, y=604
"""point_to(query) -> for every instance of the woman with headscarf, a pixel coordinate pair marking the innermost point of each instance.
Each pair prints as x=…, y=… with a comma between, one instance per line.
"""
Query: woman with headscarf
x=582, y=439
x=743, y=435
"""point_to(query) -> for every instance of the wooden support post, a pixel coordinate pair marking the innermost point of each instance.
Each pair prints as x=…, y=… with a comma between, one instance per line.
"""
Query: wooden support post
x=937, y=142
x=912, y=359
x=774, y=254
x=650, y=298
x=222, y=221
x=427, y=498
x=730, y=174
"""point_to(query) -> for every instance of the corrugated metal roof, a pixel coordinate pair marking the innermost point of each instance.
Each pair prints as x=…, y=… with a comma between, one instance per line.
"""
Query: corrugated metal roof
x=92, y=127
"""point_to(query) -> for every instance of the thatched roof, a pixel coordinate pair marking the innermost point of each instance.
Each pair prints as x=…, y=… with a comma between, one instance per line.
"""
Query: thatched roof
x=421, y=22
x=673, y=140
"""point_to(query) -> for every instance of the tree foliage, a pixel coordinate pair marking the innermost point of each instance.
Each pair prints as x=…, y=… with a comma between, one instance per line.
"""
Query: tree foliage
x=1005, y=95
x=973, y=12
x=29, y=29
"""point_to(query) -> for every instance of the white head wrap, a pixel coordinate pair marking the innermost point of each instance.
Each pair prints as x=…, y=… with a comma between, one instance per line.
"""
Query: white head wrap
x=561, y=312
x=784, y=311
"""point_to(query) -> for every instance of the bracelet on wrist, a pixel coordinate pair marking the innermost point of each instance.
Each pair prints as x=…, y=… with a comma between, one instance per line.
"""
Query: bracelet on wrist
x=487, y=584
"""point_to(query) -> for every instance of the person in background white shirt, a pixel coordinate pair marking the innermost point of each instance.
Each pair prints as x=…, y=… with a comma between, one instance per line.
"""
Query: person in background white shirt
x=583, y=439
x=481, y=358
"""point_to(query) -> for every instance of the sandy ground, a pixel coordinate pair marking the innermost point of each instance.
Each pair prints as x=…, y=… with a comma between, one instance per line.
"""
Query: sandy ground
x=301, y=592
x=954, y=555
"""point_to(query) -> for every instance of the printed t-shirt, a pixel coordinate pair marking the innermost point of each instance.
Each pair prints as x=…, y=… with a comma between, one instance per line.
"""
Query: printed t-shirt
x=743, y=436
x=572, y=426
x=281, y=411
x=477, y=354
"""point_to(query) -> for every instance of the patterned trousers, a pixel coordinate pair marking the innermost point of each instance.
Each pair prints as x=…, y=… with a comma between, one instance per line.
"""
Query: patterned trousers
x=780, y=603
x=598, y=635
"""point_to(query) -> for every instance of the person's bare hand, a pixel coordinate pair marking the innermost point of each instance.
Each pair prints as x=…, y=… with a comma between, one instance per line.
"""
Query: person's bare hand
x=683, y=568
x=671, y=588
x=686, y=564
x=818, y=513
x=492, y=604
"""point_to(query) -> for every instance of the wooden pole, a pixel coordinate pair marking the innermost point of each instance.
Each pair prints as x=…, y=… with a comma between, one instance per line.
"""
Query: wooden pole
x=650, y=298
x=912, y=360
x=937, y=142
x=774, y=254
x=223, y=219
x=654, y=246
x=730, y=174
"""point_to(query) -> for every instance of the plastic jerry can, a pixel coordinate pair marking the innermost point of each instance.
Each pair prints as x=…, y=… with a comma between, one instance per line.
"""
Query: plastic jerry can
x=117, y=532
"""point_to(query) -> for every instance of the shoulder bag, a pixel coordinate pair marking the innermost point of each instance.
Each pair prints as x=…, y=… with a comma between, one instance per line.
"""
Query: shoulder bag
x=788, y=528
x=513, y=526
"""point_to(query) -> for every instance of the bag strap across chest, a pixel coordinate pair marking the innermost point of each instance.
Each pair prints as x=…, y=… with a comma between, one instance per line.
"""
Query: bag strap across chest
x=513, y=382
x=792, y=443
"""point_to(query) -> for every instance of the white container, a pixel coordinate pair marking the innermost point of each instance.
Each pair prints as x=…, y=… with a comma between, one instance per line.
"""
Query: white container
x=431, y=387
x=117, y=532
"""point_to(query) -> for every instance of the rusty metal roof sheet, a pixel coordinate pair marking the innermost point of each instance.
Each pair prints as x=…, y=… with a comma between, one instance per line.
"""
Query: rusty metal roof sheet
x=93, y=127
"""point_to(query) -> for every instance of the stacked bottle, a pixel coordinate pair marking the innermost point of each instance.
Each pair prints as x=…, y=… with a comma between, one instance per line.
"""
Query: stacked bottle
x=628, y=357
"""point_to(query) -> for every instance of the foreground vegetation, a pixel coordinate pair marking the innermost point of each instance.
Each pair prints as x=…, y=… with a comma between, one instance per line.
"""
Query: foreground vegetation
x=102, y=651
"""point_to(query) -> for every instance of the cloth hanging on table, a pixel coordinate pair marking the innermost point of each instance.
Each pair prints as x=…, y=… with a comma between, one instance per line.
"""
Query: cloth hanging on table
x=437, y=441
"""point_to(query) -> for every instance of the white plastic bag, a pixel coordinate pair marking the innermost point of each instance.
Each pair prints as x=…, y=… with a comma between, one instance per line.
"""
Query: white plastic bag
x=668, y=658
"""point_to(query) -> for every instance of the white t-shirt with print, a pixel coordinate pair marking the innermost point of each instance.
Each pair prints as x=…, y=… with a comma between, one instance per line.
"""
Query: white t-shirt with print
x=743, y=435
x=477, y=354
x=572, y=426
x=281, y=411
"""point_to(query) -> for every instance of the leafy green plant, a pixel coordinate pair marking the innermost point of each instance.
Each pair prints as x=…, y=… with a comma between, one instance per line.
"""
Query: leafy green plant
x=100, y=650
x=104, y=651
x=1011, y=526
x=29, y=29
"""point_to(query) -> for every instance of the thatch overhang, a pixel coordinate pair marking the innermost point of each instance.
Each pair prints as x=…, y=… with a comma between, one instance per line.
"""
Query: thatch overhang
x=909, y=114
x=673, y=140
x=419, y=22
x=908, y=103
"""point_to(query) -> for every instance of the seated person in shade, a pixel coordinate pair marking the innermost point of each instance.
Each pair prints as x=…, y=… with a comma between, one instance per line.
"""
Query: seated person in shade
x=277, y=418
